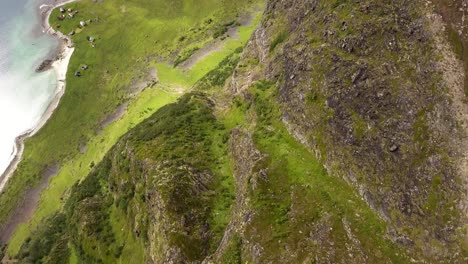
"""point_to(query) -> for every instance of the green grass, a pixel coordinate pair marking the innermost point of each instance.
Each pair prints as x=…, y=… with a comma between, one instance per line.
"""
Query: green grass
x=73, y=257
x=280, y=38
x=76, y=168
x=456, y=42
x=129, y=35
x=185, y=54
x=178, y=136
x=132, y=249
x=216, y=78
x=51, y=249
x=233, y=254
x=360, y=127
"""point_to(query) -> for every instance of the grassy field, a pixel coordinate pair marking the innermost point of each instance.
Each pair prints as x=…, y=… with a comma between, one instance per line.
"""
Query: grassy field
x=130, y=37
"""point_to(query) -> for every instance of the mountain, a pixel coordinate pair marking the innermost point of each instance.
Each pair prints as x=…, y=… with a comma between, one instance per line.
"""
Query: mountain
x=336, y=135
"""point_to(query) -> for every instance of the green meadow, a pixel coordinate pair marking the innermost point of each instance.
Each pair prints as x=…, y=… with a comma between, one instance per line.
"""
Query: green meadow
x=122, y=43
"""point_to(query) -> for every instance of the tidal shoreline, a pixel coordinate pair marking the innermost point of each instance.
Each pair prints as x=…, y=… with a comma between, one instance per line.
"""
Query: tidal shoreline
x=60, y=65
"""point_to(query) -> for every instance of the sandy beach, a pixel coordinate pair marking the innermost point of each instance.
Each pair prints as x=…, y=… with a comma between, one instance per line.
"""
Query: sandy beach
x=60, y=66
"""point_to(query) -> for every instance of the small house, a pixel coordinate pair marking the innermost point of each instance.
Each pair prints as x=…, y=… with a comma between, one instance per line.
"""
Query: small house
x=71, y=15
x=84, y=67
x=62, y=10
x=82, y=23
x=77, y=74
x=70, y=10
x=71, y=33
x=90, y=39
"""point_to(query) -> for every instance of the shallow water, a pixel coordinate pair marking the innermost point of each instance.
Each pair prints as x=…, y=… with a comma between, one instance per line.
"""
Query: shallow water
x=24, y=94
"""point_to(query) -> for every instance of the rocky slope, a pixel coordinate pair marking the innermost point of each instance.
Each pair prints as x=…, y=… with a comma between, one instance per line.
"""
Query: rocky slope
x=361, y=84
x=337, y=135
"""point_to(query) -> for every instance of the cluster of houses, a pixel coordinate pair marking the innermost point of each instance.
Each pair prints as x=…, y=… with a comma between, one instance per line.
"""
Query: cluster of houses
x=70, y=12
x=83, y=67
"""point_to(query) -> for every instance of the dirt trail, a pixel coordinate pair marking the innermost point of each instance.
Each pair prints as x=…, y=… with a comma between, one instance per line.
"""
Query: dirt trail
x=202, y=53
x=114, y=116
x=245, y=19
x=454, y=76
x=138, y=84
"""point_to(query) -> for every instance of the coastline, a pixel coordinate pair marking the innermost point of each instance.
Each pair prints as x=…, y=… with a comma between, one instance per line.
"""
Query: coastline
x=60, y=66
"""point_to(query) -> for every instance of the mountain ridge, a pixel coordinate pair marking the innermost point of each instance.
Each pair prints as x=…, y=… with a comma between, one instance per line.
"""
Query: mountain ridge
x=336, y=135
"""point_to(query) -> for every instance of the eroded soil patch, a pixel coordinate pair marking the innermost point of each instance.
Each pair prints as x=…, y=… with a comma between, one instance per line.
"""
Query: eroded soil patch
x=29, y=204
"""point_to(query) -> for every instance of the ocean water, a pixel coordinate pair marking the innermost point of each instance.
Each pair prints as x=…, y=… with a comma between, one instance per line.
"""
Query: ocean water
x=24, y=94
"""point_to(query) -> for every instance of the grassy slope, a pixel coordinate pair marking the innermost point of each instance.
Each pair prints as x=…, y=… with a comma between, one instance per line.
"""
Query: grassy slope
x=352, y=126
x=104, y=212
x=298, y=198
x=127, y=34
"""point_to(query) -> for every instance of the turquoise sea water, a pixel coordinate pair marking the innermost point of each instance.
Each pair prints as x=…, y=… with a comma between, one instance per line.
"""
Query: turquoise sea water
x=24, y=94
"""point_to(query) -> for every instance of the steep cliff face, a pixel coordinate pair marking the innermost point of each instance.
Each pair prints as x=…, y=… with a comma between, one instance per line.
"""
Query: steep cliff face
x=158, y=196
x=374, y=89
x=339, y=136
x=162, y=177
